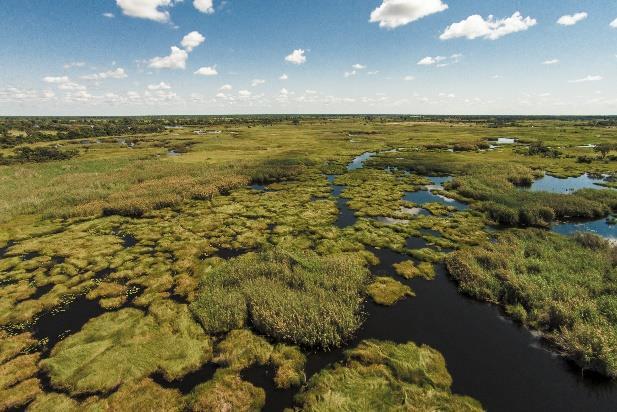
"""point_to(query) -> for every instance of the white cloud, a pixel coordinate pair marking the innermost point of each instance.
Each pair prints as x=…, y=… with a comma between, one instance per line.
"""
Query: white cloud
x=475, y=26
x=118, y=73
x=296, y=57
x=429, y=61
x=373, y=73
x=409, y=78
x=206, y=71
x=109, y=15
x=549, y=62
x=146, y=9
x=56, y=79
x=257, y=82
x=349, y=74
x=176, y=60
x=359, y=66
x=571, y=19
x=160, y=86
x=394, y=13
x=192, y=40
x=63, y=82
x=283, y=77
x=284, y=92
x=204, y=6
x=244, y=93
x=226, y=87
x=74, y=64
x=614, y=24
x=589, y=78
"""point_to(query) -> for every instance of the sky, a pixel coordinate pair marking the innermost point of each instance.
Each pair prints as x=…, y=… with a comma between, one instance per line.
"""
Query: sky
x=151, y=57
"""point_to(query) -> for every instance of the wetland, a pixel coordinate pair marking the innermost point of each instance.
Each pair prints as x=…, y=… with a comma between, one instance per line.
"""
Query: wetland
x=280, y=264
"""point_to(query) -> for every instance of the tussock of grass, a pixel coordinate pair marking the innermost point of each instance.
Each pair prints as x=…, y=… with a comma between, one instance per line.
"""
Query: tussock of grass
x=241, y=349
x=128, y=345
x=20, y=394
x=292, y=296
x=289, y=362
x=561, y=286
x=409, y=270
x=226, y=391
x=387, y=377
x=387, y=291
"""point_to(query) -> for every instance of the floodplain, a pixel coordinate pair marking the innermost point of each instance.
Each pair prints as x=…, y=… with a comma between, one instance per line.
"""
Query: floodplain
x=308, y=263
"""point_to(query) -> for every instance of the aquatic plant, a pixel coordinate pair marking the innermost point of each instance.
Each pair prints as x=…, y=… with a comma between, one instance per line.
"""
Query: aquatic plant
x=294, y=296
x=558, y=285
x=128, y=345
x=385, y=376
x=387, y=291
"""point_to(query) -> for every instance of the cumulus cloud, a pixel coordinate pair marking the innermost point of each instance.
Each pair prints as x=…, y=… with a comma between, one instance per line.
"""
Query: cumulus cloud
x=283, y=77
x=176, y=60
x=226, y=87
x=109, y=15
x=204, y=6
x=160, y=86
x=206, y=71
x=571, y=19
x=244, y=93
x=614, y=24
x=192, y=40
x=349, y=74
x=119, y=73
x=146, y=9
x=394, y=13
x=476, y=26
x=586, y=79
x=429, y=61
x=359, y=66
x=296, y=57
x=409, y=78
x=550, y=62
x=257, y=82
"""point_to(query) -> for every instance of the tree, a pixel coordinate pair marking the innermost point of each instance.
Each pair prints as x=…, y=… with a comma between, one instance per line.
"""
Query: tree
x=604, y=149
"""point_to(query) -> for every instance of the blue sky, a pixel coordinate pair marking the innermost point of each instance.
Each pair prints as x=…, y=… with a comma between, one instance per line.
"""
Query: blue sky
x=114, y=57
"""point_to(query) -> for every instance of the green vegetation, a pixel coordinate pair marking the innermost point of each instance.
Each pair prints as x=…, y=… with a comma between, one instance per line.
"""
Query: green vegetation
x=563, y=287
x=387, y=377
x=126, y=346
x=289, y=295
x=387, y=291
x=189, y=265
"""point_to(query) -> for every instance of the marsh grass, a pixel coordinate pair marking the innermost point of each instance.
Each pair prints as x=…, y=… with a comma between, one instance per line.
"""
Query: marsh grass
x=126, y=346
x=387, y=291
x=561, y=286
x=294, y=296
x=385, y=376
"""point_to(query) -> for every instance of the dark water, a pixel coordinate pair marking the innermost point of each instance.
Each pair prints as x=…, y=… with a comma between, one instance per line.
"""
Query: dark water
x=55, y=325
x=188, y=381
x=568, y=185
x=263, y=377
x=490, y=358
